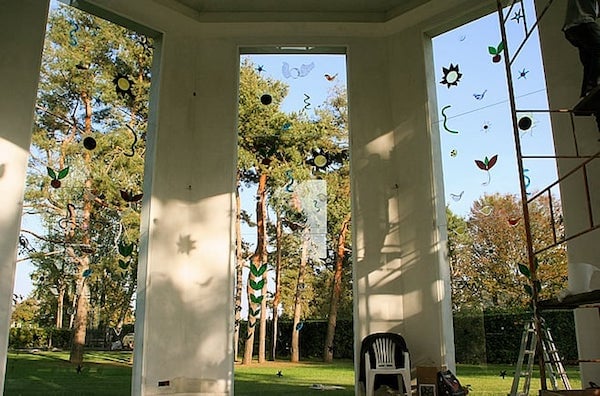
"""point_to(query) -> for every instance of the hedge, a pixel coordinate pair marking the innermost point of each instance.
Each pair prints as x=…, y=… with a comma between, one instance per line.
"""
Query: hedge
x=495, y=336
x=479, y=337
x=41, y=338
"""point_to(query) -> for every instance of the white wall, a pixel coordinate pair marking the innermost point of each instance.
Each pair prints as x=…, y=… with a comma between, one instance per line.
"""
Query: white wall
x=184, y=304
x=22, y=27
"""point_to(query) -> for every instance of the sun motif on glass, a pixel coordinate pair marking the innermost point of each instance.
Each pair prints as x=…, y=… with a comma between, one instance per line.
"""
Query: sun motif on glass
x=123, y=85
x=451, y=76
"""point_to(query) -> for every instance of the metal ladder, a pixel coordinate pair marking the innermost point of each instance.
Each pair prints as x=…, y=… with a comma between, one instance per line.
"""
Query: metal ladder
x=552, y=361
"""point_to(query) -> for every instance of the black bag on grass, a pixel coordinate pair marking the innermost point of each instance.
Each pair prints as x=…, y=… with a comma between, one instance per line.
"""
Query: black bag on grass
x=448, y=384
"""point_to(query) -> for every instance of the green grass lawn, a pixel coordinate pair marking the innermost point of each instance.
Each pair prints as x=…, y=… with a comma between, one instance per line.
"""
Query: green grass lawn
x=486, y=380
x=296, y=378
x=50, y=373
x=109, y=373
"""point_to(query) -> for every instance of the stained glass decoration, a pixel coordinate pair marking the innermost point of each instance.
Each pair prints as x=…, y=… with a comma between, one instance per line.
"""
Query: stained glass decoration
x=486, y=165
x=480, y=96
x=295, y=72
x=517, y=16
x=320, y=160
x=56, y=177
x=73, y=33
x=306, y=102
x=523, y=73
x=89, y=143
x=486, y=210
x=527, y=181
x=125, y=250
x=486, y=126
x=451, y=75
x=329, y=77
x=525, y=123
x=134, y=142
x=123, y=85
x=290, y=183
x=496, y=52
x=128, y=196
x=266, y=99
x=66, y=221
x=457, y=197
x=446, y=119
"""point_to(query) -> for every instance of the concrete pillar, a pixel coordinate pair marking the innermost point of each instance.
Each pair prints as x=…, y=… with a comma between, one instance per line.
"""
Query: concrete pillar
x=401, y=281
x=22, y=28
x=563, y=78
x=184, y=313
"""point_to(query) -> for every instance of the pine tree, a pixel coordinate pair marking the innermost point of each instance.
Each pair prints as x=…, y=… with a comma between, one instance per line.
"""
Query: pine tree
x=86, y=166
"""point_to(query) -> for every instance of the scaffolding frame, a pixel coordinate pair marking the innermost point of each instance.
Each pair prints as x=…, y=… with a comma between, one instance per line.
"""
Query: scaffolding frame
x=581, y=167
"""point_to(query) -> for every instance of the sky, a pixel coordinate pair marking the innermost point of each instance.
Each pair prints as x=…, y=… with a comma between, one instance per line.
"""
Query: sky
x=475, y=122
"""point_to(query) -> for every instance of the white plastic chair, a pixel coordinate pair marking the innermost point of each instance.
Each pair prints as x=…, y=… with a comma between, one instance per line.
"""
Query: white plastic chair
x=384, y=350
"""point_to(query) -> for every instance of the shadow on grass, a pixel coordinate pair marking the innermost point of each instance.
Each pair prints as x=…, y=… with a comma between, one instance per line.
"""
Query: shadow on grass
x=108, y=373
x=46, y=373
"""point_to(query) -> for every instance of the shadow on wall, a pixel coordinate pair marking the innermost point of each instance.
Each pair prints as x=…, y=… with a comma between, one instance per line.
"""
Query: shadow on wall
x=187, y=331
x=400, y=282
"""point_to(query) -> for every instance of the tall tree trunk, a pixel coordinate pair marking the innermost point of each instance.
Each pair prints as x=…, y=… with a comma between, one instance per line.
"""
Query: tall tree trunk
x=298, y=297
x=257, y=261
x=73, y=309
x=60, y=305
x=81, y=313
x=336, y=290
x=239, y=266
x=277, y=295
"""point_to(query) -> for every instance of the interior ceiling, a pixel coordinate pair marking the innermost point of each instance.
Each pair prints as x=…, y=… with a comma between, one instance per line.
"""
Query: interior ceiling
x=298, y=10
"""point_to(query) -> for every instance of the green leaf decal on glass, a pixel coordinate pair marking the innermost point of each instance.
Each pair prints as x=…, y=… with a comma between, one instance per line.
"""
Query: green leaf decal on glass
x=492, y=50
x=63, y=173
x=528, y=289
x=254, y=313
x=87, y=273
x=258, y=271
x=123, y=264
x=51, y=172
x=257, y=285
x=525, y=270
x=256, y=299
x=500, y=47
x=125, y=250
x=251, y=324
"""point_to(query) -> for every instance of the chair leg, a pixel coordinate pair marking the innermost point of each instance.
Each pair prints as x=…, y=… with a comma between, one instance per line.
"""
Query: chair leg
x=406, y=380
x=370, y=382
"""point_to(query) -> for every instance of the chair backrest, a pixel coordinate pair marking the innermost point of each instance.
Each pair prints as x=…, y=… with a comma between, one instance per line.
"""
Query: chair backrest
x=390, y=349
x=384, y=350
